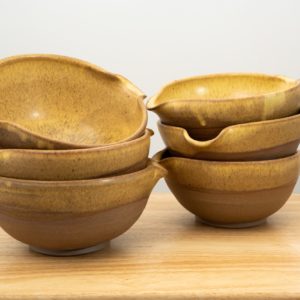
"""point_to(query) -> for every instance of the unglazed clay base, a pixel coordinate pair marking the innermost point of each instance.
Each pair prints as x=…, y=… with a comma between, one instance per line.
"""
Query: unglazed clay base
x=231, y=209
x=76, y=252
x=232, y=226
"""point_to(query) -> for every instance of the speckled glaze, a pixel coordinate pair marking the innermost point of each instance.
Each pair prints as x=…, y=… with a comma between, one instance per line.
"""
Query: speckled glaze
x=76, y=164
x=231, y=194
x=57, y=102
x=70, y=215
x=251, y=141
x=222, y=100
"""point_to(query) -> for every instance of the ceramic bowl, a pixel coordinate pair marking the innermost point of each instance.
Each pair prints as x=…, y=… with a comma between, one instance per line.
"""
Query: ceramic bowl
x=221, y=100
x=250, y=141
x=57, y=102
x=231, y=194
x=76, y=164
x=74, y=217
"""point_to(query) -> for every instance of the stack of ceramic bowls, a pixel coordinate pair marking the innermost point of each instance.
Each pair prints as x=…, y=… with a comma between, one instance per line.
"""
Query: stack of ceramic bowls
x=74, y=167
x=231, y=144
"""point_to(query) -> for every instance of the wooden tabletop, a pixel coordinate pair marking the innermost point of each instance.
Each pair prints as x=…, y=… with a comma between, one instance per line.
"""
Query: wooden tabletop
x=166, y=255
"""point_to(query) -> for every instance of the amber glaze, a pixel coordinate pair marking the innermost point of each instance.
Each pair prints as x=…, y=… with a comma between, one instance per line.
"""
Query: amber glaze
x=220, y=100
x=68, y=215
x=58, y=102
x=251, y=141
x=231, y=194
x=125, y=157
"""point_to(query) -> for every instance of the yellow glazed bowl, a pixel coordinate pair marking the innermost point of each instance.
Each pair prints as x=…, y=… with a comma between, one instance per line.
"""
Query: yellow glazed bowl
x=220, y=100
x=125, y=157
x=231, y=194
x=57, y=102
x=74, y=217
x=250, y=141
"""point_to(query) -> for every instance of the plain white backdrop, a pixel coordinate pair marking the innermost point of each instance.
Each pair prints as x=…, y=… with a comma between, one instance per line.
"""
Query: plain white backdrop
x=154, y=42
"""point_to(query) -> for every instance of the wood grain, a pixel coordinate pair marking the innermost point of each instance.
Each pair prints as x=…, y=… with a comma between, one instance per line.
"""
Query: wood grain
x=166, y=255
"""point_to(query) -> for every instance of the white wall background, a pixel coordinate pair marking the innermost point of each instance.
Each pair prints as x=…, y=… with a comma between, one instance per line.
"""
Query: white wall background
x=153, y=42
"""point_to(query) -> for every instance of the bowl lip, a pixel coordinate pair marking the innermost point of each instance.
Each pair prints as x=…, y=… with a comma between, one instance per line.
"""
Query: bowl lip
x=158, y=158
x=151, y=164
x=147, y=134
x=152, y=105
x=84, y=64
x=225, y=130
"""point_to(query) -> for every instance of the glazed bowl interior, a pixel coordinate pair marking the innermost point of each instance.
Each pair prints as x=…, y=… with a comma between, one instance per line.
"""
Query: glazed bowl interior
x=224, y=86
x=69, y=101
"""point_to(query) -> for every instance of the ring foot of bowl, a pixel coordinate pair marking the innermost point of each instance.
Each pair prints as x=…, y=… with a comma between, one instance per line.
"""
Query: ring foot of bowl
x=234, y=225
x=70, y=252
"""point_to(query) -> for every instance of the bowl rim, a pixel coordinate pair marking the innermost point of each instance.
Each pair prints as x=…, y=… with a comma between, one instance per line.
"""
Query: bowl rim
x=158, y=158
x=147, y=134
x=152, y=105
x=224, y=131
x=81, y=63
x=151, y=164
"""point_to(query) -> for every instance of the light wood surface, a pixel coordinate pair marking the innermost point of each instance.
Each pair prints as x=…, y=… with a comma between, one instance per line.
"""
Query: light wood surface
x=166, y=255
